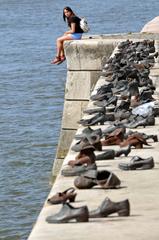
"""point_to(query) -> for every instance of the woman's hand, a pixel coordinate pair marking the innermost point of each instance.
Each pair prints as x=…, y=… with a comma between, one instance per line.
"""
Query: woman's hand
x=66, y=33
x=72, y=30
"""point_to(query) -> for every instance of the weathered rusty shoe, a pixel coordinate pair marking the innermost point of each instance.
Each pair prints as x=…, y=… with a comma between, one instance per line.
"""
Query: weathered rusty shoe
x=114, y=138
x=86, y=156
x=62, y=197
x=135, y=140
x=69, y=213
x=108, y=207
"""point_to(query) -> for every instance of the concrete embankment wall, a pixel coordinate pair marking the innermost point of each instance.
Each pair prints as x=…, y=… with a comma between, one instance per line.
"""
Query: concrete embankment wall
x=85, y=59
x=84, y=64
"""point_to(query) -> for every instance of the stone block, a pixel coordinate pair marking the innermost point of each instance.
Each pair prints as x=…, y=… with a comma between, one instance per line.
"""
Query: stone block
x=65, y=140
x=87, y=54
x=79, y=84
x=73, y=111
x=57, y=167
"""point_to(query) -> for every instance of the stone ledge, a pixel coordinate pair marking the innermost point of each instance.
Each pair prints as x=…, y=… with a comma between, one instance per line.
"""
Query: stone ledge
x=65, y=140
x=72, y=113
x=87, y=54
x=79, y=84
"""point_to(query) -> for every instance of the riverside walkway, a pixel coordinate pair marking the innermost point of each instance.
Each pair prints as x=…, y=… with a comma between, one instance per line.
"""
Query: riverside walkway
x=140, y=187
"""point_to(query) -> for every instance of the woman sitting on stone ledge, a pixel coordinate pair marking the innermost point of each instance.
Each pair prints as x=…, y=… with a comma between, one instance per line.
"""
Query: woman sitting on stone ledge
x=74, y=33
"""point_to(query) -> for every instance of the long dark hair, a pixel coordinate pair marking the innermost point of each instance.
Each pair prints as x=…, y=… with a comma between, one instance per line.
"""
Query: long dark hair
x=68, y=9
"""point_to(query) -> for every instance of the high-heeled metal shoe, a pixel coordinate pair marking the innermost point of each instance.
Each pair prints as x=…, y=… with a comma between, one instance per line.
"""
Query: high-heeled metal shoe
x=62, y=197
x=123, y=151
x=135, y=140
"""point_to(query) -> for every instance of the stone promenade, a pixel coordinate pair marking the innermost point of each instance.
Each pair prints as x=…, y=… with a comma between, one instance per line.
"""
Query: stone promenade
x=141, y=187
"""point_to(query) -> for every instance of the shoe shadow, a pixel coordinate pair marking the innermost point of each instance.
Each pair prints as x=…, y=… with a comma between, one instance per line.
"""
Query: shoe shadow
x=104, y=165
x=114, y=218
x=117, y=188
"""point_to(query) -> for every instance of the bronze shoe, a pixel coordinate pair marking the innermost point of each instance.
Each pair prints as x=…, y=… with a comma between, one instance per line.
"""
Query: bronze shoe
x=114, y=138
x=69, y=213
x=62, y=197
x=135, y=140
x=111, y=140
x=86, y=156
x=108, y=207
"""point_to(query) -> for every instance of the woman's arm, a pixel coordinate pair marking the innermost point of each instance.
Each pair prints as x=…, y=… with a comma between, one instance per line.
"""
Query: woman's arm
x=72, y=30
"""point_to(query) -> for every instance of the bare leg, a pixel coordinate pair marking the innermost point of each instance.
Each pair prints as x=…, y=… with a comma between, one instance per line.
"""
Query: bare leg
x=60, y=41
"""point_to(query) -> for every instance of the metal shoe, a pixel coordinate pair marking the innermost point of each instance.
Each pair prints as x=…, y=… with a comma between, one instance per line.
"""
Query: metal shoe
x=69, y=213
x=104, y=179
x=108, y=154
x=135, y=140
x=109, y=207
x=138, y=163
x=122, y=151
x=95, y=110
x=77, y=170
x=62, y=197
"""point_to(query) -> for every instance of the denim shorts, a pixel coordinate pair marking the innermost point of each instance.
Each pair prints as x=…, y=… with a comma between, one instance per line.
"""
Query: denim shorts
x=76, y=36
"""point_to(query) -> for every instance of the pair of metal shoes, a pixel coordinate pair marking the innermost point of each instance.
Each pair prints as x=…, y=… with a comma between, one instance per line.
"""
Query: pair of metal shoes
x=68, y=213
x=103, y=179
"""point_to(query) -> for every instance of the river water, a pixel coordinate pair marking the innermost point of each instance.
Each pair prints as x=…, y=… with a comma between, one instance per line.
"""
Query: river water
x=32, y=92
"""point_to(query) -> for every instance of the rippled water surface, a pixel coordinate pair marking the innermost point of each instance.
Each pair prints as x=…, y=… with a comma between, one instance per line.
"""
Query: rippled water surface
x=32, y=92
